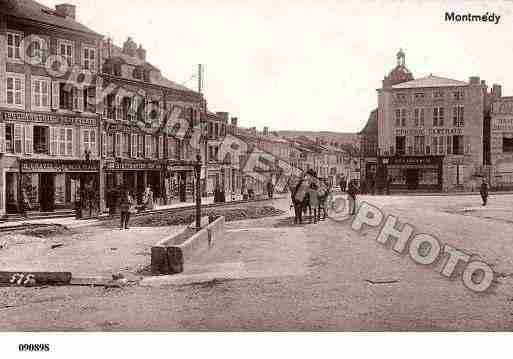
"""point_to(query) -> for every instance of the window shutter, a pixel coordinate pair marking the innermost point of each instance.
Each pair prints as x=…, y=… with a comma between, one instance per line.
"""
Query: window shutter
x=55, y=95
x=53, y=142
x=117, y=104
x=2, y=138
x=104, y=145
x=161, y=147
x=83, y=135
x=92, y=143
x=133, y=145
x=80, y=100
x=147, y=146
x=29, y=144
x=18, y=139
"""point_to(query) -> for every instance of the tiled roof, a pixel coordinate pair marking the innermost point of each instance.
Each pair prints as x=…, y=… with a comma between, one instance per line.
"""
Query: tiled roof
x=29, y=9
x=430, y=81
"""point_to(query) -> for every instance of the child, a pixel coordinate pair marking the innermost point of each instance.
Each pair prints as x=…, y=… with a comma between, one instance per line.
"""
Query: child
x=313, y=198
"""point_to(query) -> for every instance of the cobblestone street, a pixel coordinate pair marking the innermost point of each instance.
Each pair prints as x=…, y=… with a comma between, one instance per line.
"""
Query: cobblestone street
x=268, y=274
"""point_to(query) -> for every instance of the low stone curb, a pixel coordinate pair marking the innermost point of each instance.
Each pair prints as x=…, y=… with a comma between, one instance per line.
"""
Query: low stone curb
x=170, y=259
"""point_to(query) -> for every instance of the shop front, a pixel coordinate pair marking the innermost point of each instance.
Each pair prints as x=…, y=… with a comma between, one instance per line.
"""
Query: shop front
x=412, y=173
x=48, y=185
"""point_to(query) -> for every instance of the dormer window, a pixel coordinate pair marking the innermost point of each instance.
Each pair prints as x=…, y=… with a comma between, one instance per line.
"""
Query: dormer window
x=419, y=96
x=146, y=76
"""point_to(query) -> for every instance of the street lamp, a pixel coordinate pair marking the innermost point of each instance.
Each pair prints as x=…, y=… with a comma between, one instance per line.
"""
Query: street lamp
x=197, y=168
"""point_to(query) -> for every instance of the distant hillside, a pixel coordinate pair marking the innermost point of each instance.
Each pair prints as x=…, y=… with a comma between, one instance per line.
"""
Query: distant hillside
x=340, y=137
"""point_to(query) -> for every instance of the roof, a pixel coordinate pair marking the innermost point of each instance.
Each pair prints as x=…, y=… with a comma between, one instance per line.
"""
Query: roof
x=31, y=10
x=430, y=81
x=371, y=127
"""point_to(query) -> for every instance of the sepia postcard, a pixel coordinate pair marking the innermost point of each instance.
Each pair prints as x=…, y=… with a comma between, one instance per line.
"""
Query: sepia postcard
x=234, y=166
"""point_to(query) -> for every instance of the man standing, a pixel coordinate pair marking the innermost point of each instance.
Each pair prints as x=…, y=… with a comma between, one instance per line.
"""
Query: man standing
x=125, y=207
x=343, y=184
x=484, y=191
x=270, y=189
x=352, y=190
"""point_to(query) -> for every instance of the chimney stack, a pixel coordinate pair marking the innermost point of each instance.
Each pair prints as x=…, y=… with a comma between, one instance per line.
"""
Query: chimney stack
x=474, y=80
x=141, y=53
x=497, y=91
x=66, y=10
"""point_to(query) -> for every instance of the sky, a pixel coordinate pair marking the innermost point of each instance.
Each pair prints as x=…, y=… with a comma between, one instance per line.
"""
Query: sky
x=306, y=64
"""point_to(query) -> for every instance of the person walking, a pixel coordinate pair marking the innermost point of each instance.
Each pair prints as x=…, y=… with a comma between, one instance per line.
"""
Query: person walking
x=352, y=191
x=270, y=189
x=313, y=199
x=483, y=190
x=125, y=208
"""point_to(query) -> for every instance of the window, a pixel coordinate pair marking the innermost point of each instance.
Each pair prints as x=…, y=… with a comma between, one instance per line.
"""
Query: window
x=457, y=145
x=65, y=96
x=438, y=116
x=9, y=137
x=65, y=141
x=117, y=70
x=140, y=146
x=117, y=144
x=418, y=145
x=449, y=145
x=419, y=96
x=153, y=147
x=89, y=140
x=507, y=144
x=400, y=97
x=133, y=146
x=126, y=145
x=66, y=51
x=90, y=99
x=15, y=90
x=458, y=95
x=457, y=116
x=440, y=146
x=438, y=94
x=110, y=145
x=400, y=117
x=147, y=146
x=14, y=46
x=37, y=51
x=88, y=59
x=435, y=145
x=137, y=73
x=41, y=139
x=400, y=145
x=418, y=117
x=41, y=94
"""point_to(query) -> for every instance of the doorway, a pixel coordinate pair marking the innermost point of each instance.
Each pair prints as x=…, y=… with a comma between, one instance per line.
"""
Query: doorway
x=412, y=178
x=47, y=191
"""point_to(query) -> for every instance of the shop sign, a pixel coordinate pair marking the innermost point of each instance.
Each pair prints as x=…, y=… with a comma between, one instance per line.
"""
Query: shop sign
x=504, y=107
x=417, y=161
x=428, y=131
x=49, y=119
x=133, y=166
x=59, y=166
x=502, y=124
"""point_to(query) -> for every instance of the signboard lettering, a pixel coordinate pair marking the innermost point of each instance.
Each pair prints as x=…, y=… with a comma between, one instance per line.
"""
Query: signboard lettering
x=49, y=119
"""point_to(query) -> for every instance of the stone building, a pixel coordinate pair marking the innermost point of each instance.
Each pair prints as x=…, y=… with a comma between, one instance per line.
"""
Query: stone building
x=501, y=144
x=48, y=71
x=430, y=131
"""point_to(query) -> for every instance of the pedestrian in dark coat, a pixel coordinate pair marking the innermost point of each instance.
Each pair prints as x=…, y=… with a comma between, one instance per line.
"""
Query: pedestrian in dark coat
x=483, y=190
x=125, y=206
x=352, y=191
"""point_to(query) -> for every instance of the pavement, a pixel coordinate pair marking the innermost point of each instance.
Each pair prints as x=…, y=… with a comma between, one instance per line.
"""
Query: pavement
x=269, y=274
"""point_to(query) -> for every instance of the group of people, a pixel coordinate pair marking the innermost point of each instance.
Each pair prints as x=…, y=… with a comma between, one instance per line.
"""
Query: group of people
x=310, y=194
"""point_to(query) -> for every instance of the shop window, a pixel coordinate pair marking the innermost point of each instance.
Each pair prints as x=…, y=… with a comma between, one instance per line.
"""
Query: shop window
x=400, y=145
x=419, y=144
x=507, y=144
x=41, y=139
x=457, y=145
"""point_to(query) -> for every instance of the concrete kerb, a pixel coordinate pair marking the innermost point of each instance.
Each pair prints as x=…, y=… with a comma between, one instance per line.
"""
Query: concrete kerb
x=170, y=259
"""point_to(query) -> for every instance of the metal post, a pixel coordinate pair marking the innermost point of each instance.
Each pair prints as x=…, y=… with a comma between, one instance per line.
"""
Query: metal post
x=197, y=168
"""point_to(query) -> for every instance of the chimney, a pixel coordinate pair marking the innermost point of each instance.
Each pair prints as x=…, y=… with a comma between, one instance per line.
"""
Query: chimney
x=497, y=91
x=234, y=121
x=66, y=10
x=266, y=131
x=141, y=53
x=474, y=80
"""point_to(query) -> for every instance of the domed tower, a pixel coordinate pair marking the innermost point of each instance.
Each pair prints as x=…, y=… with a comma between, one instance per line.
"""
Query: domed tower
x=400, y=73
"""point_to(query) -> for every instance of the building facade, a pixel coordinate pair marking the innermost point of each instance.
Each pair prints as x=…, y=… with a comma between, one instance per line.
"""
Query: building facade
x=430, y=132
x=48, y=128
x=501, y=128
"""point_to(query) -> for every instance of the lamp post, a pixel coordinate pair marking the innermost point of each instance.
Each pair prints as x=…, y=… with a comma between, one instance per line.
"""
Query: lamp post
x=197, y=168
